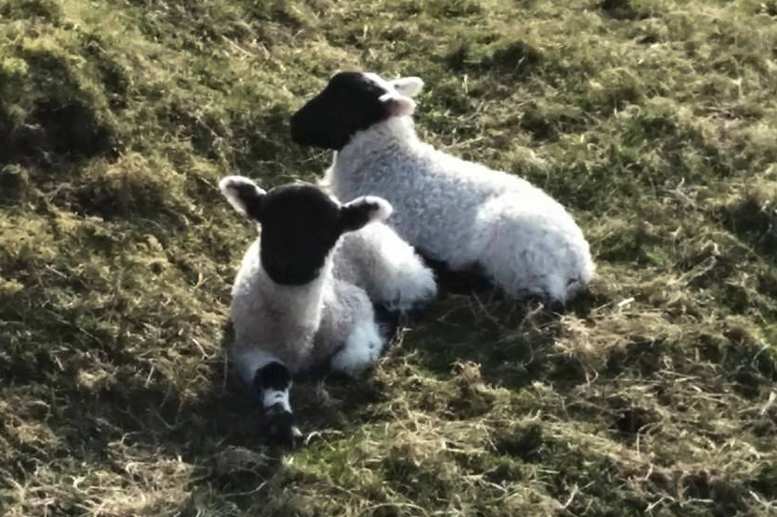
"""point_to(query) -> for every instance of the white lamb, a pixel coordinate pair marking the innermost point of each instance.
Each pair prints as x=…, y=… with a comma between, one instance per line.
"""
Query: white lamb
x=454, y=211
x=301, y=297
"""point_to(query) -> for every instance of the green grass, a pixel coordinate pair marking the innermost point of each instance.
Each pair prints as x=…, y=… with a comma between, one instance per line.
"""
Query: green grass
x=655, y=121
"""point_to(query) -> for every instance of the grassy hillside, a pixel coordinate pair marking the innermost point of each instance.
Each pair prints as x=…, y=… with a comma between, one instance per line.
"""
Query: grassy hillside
x=654, y=121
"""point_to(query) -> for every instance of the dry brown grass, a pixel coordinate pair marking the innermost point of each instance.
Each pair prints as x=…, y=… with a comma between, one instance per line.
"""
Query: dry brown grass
x=655, y=121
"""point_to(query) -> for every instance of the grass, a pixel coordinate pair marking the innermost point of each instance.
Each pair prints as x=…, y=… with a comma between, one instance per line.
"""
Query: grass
x=654, y=121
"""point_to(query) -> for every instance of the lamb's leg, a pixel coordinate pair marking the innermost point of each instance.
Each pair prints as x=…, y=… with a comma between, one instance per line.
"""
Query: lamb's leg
x=362, y=349
x=393, y=274
x=273, y=384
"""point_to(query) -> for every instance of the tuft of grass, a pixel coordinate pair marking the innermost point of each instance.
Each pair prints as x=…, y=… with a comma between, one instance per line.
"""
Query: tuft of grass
x=652, y=120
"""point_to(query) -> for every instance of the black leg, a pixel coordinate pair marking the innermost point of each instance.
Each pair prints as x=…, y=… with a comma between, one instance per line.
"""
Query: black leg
x=272, y=383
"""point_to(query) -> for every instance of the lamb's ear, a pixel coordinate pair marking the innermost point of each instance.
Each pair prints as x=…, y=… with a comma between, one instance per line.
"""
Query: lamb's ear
x=397, y=104
x=408, y=86
x=244, y=195
x=363, y=210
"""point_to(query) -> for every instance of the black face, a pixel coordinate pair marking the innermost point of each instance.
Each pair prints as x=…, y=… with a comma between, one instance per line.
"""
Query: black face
x=349, y=103
x=300, y=226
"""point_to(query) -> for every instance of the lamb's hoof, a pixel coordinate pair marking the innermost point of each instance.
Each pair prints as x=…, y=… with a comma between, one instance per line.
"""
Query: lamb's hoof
x=280, y=427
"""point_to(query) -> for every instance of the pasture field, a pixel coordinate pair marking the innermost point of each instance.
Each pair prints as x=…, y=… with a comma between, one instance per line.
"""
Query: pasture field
x=654, y=121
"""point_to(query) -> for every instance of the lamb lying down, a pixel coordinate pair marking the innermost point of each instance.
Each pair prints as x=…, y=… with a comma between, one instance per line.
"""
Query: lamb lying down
x=302, y=295
x=453, y=211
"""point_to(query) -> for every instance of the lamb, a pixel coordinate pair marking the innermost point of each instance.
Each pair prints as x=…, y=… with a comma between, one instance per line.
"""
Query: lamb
x=457, y=212
x=301, y=299
x=389, y=270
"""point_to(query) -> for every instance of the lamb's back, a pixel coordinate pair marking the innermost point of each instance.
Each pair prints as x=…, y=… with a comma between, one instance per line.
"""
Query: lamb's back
x=436, y=196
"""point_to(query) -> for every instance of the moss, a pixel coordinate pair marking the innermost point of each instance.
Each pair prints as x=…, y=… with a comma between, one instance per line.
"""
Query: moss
x=48, y=10
x=133, y=186
x=516, y=58
x=622, y=9
x=61, y=117
x=524, y=442
x=14, y=183
x=651, y=120
x=753, y=216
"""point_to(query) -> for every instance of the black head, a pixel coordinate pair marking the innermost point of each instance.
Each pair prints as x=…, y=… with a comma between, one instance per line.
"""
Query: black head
x=300, y=224
x=351, y=102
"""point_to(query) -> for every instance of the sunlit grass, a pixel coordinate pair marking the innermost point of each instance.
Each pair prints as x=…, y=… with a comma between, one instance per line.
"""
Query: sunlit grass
x=654, y=121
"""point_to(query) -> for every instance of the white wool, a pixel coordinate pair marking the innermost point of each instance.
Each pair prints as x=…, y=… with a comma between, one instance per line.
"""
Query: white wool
x=271, y=397
x=464, y=213
x=362, y=349
x=248, y=359
x=273, y=321
x=302, y=326
x=376, y=259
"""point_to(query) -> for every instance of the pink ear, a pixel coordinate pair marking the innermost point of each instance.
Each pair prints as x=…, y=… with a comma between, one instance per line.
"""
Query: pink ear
x=398, y=105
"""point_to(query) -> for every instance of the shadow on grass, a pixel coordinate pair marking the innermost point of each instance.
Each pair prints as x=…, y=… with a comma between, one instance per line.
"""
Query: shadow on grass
x=754, y=220
x=128, y=419
x=512, y=341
